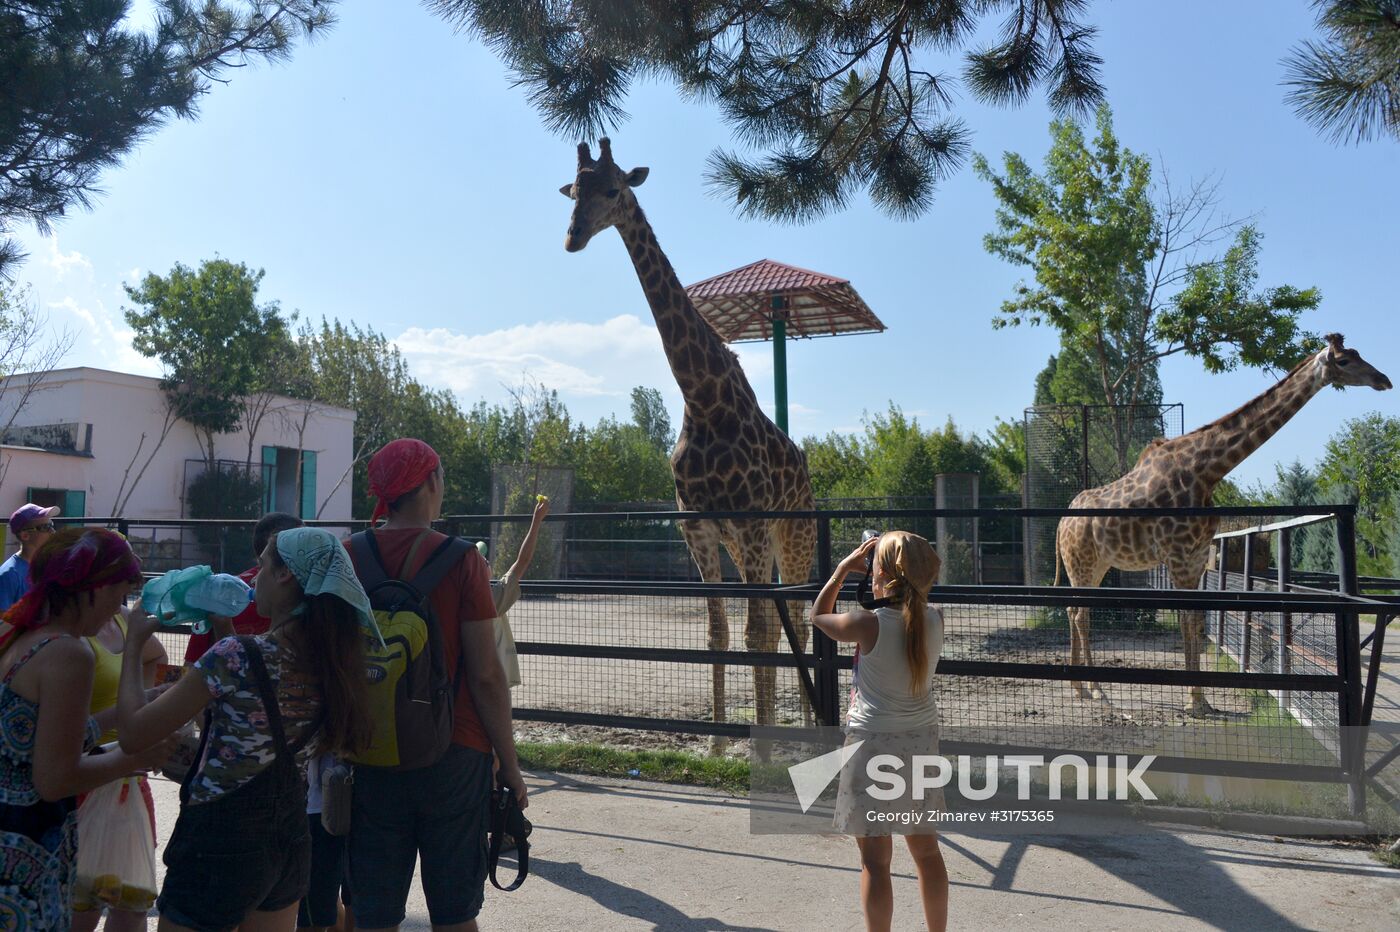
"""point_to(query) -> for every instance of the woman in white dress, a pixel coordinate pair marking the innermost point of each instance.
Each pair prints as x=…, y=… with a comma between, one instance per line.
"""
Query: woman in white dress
x=892, y=712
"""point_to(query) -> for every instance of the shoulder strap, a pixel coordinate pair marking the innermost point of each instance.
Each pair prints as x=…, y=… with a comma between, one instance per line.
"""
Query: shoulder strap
x=29, y=654
x=369, y=565
x=268, y=694
x=447, y=555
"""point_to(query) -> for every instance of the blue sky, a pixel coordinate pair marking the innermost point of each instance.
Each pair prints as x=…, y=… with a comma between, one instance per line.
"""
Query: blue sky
x=390, y=175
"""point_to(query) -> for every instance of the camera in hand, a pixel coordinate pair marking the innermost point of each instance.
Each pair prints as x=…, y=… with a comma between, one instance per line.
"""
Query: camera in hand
x=866, y=535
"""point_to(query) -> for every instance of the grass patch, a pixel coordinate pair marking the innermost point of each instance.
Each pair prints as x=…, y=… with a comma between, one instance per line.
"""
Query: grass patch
x=1264, y=708
x=724, y=773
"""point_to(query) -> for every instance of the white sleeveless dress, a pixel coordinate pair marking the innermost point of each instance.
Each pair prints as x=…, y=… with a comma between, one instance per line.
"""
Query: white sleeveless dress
x=888, y=717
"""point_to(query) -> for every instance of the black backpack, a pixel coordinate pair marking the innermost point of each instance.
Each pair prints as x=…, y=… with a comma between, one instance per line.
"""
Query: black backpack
x=410, y=692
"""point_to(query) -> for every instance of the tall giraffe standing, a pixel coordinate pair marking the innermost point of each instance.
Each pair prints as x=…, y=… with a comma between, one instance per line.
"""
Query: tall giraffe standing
x=1183, y=473
x=729, y=456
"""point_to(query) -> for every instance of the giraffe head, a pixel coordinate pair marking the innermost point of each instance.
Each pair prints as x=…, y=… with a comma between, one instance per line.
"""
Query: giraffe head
x=1342, y=366
x=601, y=193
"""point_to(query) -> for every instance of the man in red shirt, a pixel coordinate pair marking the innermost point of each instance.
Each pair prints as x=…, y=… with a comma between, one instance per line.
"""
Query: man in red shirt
x=440, y=811
x=247, y=621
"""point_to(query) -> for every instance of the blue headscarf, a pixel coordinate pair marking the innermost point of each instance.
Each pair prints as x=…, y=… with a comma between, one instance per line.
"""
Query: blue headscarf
x=319, y=562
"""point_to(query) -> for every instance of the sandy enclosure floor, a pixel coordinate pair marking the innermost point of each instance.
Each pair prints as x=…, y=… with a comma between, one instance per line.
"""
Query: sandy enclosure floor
x=683, y=690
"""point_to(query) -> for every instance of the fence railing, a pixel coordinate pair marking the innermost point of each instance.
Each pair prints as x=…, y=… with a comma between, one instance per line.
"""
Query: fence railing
x=625, y=654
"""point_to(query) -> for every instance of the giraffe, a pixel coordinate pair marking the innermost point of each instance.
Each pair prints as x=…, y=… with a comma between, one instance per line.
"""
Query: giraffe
x=729, y=456
x=1183, y=473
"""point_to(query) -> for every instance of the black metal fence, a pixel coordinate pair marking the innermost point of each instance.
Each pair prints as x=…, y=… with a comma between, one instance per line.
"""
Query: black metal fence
x=648, y=655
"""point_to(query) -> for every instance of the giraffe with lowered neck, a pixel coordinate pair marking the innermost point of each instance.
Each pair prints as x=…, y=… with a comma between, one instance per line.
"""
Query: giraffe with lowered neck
x=729, y=456
x=1183, y=473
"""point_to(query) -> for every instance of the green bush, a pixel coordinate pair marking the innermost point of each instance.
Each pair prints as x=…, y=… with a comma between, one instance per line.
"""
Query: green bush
x=231, y=493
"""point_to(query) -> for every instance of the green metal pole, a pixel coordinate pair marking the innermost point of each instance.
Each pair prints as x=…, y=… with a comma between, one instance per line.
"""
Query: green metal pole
x=780, y=405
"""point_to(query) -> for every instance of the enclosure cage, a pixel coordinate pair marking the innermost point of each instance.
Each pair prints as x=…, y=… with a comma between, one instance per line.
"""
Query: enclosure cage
x=514, y=489
x=1070, y=448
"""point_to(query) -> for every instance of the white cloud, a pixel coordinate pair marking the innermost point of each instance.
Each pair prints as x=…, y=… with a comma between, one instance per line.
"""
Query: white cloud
x=109, y=345
x=134, y=274
x=574, y=358
x=62, y=263
x=593, y=366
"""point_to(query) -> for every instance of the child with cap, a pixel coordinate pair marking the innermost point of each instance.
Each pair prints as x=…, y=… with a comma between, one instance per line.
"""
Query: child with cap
x=33, y=525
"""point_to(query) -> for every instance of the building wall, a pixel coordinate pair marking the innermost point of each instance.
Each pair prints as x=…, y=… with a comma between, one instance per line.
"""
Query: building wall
x=121, y=409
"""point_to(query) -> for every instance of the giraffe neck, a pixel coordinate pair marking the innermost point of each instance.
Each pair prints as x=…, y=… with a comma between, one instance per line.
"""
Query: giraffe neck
x=1223, y=445
x=699, y=360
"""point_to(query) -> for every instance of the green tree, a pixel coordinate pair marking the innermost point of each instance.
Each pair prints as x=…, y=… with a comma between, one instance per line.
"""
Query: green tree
x=649, y=413
x=211, y=337
x=1115, y=272
x=83, y=86
x=837, y=466
x=1111, y=267
x=838, y=96
x=362, y=370
x=1361, y=465
x=622, y=463
x=1348, y=85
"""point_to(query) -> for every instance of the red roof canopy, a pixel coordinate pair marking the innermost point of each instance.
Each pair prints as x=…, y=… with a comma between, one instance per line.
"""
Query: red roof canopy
x=740, y=304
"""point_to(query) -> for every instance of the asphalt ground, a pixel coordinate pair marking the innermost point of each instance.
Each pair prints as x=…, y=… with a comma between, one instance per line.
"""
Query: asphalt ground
x=629, y=855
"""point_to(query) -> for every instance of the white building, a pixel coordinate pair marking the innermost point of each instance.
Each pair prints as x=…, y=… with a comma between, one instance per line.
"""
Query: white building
x=81, y=436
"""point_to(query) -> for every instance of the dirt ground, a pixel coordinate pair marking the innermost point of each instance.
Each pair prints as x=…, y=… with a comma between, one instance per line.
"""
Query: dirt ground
x=673, y=690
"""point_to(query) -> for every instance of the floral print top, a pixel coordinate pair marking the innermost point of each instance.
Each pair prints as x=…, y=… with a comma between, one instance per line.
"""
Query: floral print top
x=240, y=736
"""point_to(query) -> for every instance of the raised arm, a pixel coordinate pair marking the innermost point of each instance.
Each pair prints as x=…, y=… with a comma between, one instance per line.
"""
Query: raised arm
x=527, y=547
x=859, y=627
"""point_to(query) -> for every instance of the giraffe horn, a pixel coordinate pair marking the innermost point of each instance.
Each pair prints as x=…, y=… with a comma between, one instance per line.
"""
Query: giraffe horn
x=585, y=158
x=605, y=149
x=1336, y=340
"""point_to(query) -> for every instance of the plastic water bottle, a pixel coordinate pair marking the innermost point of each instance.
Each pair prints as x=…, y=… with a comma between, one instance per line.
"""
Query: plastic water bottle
x=219, y=594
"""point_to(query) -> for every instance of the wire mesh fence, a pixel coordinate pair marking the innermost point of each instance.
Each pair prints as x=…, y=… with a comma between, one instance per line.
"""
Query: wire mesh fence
x=514, y=491
x=1070, y=448
x=640, y=655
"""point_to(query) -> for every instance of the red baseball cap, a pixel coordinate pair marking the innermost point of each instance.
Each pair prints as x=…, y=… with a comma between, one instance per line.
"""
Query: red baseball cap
x=28, y=513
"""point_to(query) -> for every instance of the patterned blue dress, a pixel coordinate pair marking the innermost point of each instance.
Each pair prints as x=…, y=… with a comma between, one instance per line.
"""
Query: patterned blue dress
x=38, y=839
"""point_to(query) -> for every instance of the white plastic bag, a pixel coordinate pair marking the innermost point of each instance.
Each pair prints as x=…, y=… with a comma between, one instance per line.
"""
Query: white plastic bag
x=116, y=848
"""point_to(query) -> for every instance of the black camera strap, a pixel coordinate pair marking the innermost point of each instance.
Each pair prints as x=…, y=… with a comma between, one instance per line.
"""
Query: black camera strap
x=863, y=595
x=507, y=819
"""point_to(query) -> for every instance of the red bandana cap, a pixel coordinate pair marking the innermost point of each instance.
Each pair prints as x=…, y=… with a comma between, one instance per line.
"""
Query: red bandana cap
x=398, y=468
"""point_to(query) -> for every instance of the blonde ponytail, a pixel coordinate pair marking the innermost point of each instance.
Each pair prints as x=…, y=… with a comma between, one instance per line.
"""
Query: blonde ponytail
x=910, y=566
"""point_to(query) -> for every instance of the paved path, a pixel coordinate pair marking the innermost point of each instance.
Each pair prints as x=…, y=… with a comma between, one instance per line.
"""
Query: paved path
x=623, y=855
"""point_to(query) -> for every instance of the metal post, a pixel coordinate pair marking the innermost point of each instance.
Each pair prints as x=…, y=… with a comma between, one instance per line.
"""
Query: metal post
x=1248, y=616
x=1220, y=584
x=780, y=402
x=1285, y=631
x=1373, y=670
x=1084, y=450
x=1349, y=666
x=827, y=684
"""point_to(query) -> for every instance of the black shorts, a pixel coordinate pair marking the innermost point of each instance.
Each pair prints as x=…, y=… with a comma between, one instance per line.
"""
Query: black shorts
x=441, y=811
x=246, y=851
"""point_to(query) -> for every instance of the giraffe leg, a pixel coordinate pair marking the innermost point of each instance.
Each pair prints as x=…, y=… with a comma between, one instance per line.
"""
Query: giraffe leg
x=797, y=545
x=1081, y=569
x=1193, y=637
x=755, y=559
x=702, y=538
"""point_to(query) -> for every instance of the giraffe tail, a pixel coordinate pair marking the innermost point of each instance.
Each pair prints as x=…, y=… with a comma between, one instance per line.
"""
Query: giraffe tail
x=1057, y=561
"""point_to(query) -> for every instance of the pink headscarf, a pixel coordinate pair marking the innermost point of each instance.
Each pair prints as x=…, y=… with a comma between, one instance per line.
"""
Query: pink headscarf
x=398, y=468
x=74, y=560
